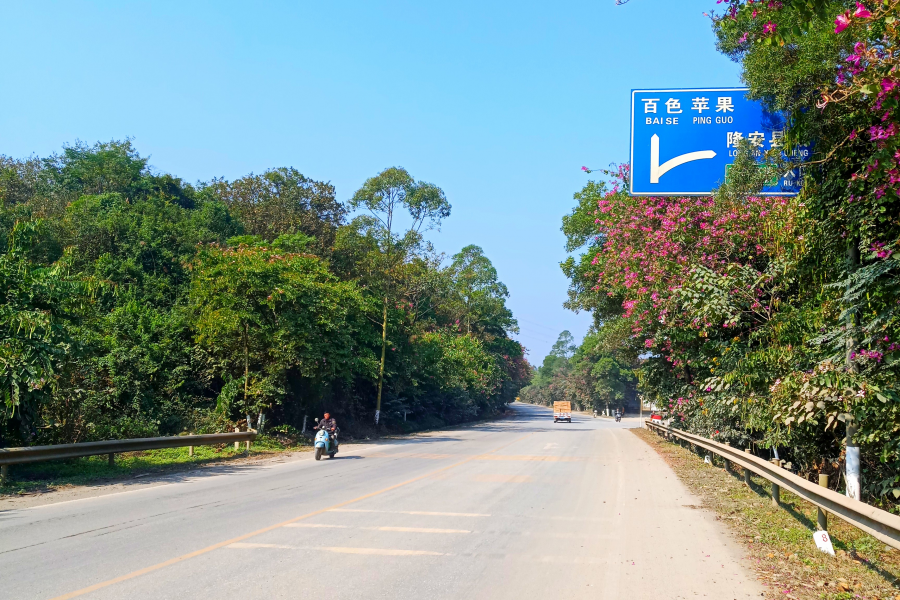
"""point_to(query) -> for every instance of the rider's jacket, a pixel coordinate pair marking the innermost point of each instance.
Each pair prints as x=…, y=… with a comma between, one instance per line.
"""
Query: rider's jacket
x=328, y=424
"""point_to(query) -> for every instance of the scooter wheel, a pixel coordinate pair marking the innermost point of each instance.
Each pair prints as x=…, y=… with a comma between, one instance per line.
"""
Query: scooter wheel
x=318, y=453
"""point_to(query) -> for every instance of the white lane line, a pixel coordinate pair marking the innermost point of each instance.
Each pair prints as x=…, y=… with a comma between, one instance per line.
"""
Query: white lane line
x=564, y=560
x=409, y=512
x=338, y=549
x=317, y=525
x=551, y=446
x=418, y=529
x=383, y=551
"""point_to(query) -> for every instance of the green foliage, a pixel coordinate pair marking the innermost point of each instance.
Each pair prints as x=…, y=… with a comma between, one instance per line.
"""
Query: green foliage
x=263, y=313
x=39, y=306
x=136, y=304
x=597, y=375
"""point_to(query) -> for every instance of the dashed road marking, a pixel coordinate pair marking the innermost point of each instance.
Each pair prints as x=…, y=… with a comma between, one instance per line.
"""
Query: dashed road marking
x=419, y=529
x=408, y=512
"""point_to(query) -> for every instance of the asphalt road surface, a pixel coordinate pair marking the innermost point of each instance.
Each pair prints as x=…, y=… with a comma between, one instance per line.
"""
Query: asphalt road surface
x=519, y=508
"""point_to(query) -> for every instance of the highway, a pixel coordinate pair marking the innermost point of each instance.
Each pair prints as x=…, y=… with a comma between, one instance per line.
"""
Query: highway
x=518, y=508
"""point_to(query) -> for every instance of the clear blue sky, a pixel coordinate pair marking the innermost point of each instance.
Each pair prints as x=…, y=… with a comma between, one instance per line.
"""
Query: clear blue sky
x=499, y=103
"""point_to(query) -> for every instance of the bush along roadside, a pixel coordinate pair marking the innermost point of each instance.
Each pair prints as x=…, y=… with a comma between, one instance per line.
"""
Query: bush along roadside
x=779, y=541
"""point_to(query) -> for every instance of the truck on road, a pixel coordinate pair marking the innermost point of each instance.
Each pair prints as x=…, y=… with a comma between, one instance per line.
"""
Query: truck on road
x=562, y=411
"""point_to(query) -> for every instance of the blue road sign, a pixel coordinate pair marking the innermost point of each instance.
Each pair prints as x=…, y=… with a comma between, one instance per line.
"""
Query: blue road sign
x=683, y=142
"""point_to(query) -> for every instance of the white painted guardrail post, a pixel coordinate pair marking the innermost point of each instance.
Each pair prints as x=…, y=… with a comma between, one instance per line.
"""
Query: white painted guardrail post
x=851, y=471
x=237, y=445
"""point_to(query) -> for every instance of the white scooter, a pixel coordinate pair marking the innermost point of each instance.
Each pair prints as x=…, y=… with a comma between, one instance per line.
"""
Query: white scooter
x=324, y=444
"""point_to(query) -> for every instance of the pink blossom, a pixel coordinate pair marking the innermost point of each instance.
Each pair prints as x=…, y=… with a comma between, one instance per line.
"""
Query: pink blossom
x=842, y=22
x=862, y=12
x=770, y=27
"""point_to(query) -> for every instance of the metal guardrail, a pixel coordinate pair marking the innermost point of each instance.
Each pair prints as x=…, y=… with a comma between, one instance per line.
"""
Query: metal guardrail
x=878, y=523
x=30, y=454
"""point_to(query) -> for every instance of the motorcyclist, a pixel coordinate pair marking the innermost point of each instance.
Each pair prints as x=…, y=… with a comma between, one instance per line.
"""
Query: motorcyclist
x=329, y=424
x=618, y=414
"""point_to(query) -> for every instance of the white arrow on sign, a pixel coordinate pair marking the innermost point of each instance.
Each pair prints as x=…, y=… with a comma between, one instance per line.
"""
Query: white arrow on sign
x=658, y=170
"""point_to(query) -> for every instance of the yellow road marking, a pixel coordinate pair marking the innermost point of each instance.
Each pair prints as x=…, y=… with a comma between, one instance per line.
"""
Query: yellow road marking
x=246, y=545
x=383, y=551
x=241, y=538
x=419, y=529
x=411, y=455
x=409, y=512
x=316, y=525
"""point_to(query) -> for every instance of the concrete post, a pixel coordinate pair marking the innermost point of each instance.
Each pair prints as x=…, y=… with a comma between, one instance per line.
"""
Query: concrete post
x=304, y=424
x=237, y=445
x=821, y=517
x=4, y=475
x=112, y=459
x=190, y=450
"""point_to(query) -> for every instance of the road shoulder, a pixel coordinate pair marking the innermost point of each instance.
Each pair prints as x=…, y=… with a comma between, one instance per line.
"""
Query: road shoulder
x=779, y=541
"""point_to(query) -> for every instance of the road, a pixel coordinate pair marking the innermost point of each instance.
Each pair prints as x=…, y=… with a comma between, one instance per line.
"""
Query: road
x=515, y=509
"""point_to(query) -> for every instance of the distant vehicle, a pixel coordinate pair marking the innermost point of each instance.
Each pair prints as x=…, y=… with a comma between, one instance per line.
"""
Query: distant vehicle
x=562, y=411
x=656, y=417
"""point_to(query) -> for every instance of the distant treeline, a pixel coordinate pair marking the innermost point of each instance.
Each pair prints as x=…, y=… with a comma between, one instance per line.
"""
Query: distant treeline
x=136, y=304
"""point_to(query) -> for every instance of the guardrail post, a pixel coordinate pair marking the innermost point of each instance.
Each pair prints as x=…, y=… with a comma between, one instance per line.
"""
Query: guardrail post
x=112, y=459
x=4, y=474
x=746, y=470
x=776, y=490
x=822, y=517
x=190, y=450
x=237, y=445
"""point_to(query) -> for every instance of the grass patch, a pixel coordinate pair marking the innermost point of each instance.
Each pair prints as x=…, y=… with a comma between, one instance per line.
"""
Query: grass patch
x=779, y=540
x=53, y=475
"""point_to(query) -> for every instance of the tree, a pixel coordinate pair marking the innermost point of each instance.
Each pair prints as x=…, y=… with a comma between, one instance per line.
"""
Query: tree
x=565, y=345
x=262, y=312
x=38, y=307
x=480, y=294
x=387, y=196
x=282, y=201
